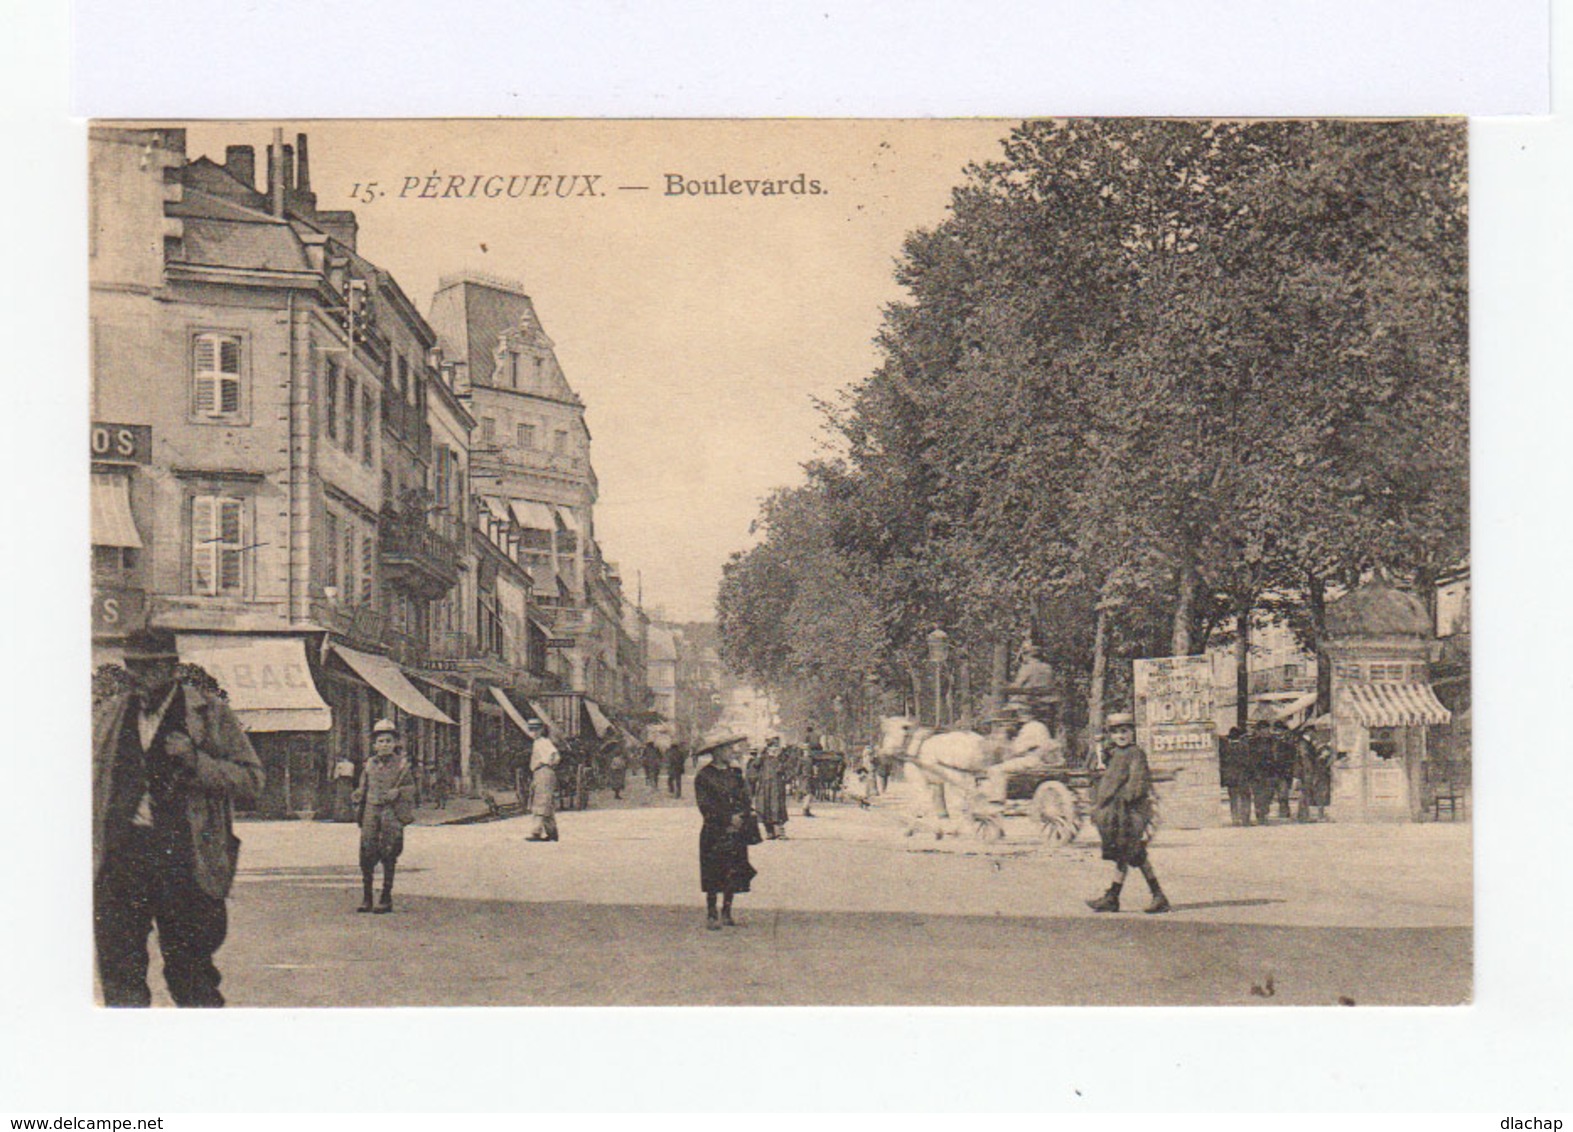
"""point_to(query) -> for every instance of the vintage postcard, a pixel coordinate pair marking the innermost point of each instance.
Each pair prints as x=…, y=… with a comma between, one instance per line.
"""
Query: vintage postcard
x=802, y=562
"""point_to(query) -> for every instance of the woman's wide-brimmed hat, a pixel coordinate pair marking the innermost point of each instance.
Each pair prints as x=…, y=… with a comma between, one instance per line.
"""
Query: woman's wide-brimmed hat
x=725, y=740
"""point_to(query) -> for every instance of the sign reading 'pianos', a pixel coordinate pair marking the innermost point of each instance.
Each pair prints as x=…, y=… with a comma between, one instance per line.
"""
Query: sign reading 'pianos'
x=1175, y=726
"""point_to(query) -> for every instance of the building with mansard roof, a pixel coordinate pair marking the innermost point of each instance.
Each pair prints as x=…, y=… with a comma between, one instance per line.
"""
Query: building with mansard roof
x=530, y=458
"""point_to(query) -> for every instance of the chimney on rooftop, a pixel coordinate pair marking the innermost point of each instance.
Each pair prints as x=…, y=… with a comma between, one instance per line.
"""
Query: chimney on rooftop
x=302, y=171
x=241, y=162
x=277, y=156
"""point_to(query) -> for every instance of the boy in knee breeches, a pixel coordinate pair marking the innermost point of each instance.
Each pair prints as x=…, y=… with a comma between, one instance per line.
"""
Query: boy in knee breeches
x=385, y=801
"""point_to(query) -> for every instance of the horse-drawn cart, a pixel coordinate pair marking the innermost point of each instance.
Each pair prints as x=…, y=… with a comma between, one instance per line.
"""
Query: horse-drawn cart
x=1058, y=799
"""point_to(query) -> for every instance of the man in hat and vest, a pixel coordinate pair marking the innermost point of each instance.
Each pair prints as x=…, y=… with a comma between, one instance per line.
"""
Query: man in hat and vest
x=1032, y=748
x=169, y=764
x=385, y=803
x=1122, y=811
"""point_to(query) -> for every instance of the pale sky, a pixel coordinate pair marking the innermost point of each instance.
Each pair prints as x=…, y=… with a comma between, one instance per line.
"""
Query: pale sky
x=698, y=331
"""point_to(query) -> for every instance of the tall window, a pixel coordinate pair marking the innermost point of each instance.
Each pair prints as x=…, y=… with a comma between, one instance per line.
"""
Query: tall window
x=527, y=436
x=488, y=432
x=332, y=399
x=513, y=369
x=349, y=414
x=368, y=426
x=215, y=360
x=560, y=442
x=218, y=546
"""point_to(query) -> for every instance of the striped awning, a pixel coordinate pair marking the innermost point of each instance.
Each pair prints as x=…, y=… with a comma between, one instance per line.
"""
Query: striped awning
x=112, y=522
x=1394, y=705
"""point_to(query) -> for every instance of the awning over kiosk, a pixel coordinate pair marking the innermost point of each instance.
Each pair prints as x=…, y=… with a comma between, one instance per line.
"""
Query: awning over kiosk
x=267, y=679
x=512, y=712
x=112, y=522
x=389, y=679
x=1394, y=705
x=598, y=719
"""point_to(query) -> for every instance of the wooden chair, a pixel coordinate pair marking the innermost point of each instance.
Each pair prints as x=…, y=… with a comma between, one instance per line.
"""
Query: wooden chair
x=1447, y=789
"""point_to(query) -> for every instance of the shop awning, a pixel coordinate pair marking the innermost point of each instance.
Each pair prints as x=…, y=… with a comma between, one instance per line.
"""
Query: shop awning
x=598, y=719
x=267, y=679
x=531, y=515
x=498, y=508
x=1394, y=705
x=112, y=522
x=506, y=704
x=1282, y=705
x=540, y=712
x=389, y=679
x=569, y=521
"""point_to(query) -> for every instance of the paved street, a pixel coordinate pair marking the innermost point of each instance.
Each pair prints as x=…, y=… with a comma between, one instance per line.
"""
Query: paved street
x=849, y=911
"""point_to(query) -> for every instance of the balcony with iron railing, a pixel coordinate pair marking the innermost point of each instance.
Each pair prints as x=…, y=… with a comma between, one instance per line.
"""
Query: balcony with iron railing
x=416, y=558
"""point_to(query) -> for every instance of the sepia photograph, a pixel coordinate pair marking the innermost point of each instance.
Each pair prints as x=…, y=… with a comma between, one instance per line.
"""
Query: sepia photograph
x=797, y=562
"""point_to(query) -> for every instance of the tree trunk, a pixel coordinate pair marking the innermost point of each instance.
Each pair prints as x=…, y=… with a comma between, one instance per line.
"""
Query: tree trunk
x=1100, y=663
x=1316, y=600
x=999, y=674
x=1242, y=662
x=1180, y=643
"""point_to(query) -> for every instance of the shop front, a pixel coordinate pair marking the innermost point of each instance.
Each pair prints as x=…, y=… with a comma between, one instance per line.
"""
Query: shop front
x=270, y=687
x=380, y=689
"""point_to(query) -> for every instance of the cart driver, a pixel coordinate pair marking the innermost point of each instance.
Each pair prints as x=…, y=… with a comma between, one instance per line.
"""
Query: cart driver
x=1033, y=748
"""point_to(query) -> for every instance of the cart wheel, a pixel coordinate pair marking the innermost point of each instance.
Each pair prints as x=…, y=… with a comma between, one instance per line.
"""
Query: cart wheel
x=1055, y=808
x=988, y=829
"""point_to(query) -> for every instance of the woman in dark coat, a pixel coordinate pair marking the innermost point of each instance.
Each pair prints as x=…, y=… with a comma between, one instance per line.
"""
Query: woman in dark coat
x=1122, y=811
x=723, y=839
x=767, y=786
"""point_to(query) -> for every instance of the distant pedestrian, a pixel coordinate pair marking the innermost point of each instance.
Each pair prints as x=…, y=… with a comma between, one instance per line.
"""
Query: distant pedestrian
x=169, y=763
x=651, y=759
x=676, y=763
x=1122, y=811
x=1316, y=777
x=385, y=804
x=1234, y=775
x=616, y=769
x=345, y=772
x=729, y=828
x=767, y=786
x=544, y=760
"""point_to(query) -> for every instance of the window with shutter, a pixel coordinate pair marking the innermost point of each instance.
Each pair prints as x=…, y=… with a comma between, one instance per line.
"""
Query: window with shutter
x=332, y=399
x=215, y=363
x=368, y=426
x=330, y=538
x=368, y=556
x=349, y=414
x=218, y=545
x=349, y=565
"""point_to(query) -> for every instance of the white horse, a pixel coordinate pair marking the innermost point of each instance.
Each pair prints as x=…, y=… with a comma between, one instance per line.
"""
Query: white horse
x=947, y=763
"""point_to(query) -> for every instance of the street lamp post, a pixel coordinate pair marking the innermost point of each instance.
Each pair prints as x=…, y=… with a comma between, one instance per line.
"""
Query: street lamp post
x=939, y=652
